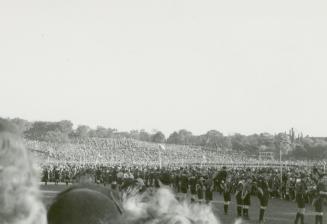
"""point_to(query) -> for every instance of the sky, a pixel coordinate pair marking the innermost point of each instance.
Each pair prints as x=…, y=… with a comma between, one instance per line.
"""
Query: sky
x=234, y=66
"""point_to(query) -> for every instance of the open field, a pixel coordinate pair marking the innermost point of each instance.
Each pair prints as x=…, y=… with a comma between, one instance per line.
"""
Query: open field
x=278, y=212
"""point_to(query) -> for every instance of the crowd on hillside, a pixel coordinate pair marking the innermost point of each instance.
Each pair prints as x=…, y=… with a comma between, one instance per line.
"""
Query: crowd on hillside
x=127, y=152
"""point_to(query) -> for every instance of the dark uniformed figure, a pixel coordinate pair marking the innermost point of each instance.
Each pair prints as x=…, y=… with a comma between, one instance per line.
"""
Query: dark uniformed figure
x=97, y=176
x=263, y=195
x=318, y=206
x=300, y=191
x=192, y=183
x=321, y=195
x=165, y=178
x=184, y=182
x=183, y=185
x=239, y=200
x=56, y=175
x=227, y=188
x=156, y=179
x=246, y=197
x=176, y=182
x=208, y=184
x=45, y=176
x=66, y=176
x=199, y=188
x=219, y=177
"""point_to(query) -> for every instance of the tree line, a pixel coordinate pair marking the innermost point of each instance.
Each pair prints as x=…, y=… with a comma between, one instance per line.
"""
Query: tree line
x=292, y=145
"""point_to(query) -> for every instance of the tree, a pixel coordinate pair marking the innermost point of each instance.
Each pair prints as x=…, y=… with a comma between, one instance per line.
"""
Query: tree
x=55, y=136
x=292, y=135
x=82, y=131
x=185, y=136
x=144, y=136
x=174, y=138
x=135, y=134
x=22, y=125
x=63, y=126
x=158, y=137
x=238, y=142
x=282, y=143
x=38, y=129
x=214, y=139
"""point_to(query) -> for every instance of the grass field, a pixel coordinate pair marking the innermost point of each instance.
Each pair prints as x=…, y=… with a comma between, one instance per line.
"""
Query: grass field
x=278, y=211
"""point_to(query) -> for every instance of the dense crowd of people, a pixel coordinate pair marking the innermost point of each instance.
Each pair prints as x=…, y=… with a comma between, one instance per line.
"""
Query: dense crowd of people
x=126, y=152
x=201, y=182
x=144, y=192
x=20, y=196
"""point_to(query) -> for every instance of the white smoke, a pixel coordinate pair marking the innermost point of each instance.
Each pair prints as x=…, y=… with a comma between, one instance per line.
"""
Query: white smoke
x=162, y=207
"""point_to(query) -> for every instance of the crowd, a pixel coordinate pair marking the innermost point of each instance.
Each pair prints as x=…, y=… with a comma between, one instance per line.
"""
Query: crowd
x=195, y=180
x=129, y=152
x=20, y=197
x=200, y=183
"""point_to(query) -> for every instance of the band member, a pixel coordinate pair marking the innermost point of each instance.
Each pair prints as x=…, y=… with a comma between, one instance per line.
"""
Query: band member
x=199, y=189
x=321, y=194
x=66, y=176
x=318, y=206
x=45, y=176
x=287, y=189
x=184, y=184
x=300, y=190
x=263, y=195
x=192, y=183
x=218, y=178
x=239, y=200
x=208, y=183
x=226, y=187
x=246, y=197
x=176, y=181
x=56, y=175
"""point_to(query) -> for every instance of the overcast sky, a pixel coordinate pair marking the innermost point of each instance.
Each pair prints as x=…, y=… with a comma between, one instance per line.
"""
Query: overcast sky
x=235, y=66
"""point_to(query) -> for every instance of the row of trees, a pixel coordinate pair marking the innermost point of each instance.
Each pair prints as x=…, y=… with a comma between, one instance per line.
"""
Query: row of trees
x=291, y=144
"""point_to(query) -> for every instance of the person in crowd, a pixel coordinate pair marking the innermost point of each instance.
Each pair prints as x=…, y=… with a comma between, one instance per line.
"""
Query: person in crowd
x=239, y=199
x=263, y=195
x=85, y=204
x=19, y=181
x=300, y=190
x=226, y=187
x=318, y=208
x=208, y=189
x=184, y=184
x=56, y=175
x=219, y=178
x=246, y=197
x=199, y=189
x=192, y=183
x=320, y=196
x=45, y=176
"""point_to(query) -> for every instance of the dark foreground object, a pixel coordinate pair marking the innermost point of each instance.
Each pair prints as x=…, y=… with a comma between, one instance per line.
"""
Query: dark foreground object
x=84, y=205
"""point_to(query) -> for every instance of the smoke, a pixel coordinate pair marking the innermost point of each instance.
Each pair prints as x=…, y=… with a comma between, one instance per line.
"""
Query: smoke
x=161, y=207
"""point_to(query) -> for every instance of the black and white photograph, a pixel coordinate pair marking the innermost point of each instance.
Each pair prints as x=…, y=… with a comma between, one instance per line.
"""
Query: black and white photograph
x=163, y=112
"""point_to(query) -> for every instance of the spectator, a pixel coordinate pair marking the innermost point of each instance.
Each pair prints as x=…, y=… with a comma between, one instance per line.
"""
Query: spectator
x=19, y=193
